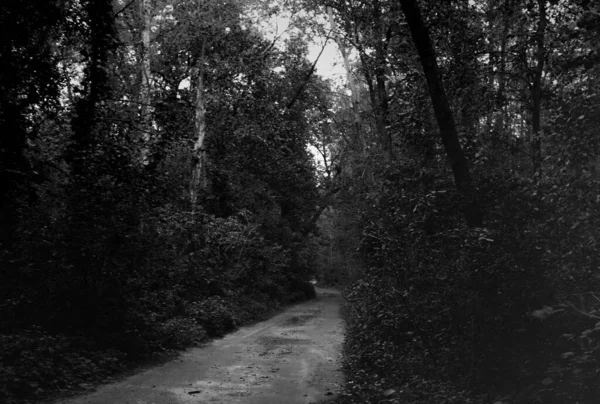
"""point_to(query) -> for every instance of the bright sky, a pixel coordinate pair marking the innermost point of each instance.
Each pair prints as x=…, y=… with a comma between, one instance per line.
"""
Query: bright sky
x=330, y=64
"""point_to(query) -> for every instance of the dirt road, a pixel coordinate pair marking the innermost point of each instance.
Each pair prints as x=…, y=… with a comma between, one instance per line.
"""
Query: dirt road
x=288, y=359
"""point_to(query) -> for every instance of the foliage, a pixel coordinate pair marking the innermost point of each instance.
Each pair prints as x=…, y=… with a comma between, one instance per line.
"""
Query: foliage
x=36, y=362
x=460, y=309
x=104, y=259
x=440, y=312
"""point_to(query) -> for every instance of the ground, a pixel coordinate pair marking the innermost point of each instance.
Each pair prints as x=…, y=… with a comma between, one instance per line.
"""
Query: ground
x=288, y=359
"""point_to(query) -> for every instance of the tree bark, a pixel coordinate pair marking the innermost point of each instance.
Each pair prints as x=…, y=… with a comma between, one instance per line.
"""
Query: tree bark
x=506, y=14
x=145, y=96
x=443, y=113
x=197, y=181
x=536, y=93
x=500, y=111
x=382, y=107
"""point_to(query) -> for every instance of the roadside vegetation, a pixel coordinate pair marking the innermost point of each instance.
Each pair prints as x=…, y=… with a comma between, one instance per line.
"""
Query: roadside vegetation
x=153, y=193
x=466, y=226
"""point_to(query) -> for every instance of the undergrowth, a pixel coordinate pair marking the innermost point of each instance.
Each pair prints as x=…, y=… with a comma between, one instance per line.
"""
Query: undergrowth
x=442, y=313
x=37, y=364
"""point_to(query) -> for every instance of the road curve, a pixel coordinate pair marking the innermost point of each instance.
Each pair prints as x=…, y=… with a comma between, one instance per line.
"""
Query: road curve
x=291, y=358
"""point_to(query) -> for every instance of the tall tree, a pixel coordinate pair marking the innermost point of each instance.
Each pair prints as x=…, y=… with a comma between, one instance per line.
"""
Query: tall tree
x=29, y=83
x=536, y=90
x=369, y=26
x=382, y=35
x=443, y=112
x=100, y=43
x=359, y=140
x=145, y=11
x=198, y=154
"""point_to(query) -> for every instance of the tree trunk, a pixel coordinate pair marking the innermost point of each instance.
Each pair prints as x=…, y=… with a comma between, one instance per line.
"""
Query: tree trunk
x=101, y=44
x=383, y=115
x=145, y=96
x=506, y=17
x=443, y=113
x=359, y=139
x=501, y=117
x=382, y=107
x=536, y=93
x=197, y=181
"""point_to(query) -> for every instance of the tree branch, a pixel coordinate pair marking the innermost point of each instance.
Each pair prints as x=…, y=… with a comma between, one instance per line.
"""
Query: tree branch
x=123, y=9
x=308, y=76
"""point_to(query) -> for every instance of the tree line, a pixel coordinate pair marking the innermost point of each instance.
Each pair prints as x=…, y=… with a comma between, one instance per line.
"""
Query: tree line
x=469, y=162
x=156, y=185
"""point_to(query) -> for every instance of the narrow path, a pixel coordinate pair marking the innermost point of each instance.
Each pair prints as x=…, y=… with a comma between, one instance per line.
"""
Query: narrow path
x=291, y=358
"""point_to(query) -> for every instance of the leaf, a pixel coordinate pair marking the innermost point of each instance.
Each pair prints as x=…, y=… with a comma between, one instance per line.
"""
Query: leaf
x=542, y=313
x=547, y=381
x=389, y=392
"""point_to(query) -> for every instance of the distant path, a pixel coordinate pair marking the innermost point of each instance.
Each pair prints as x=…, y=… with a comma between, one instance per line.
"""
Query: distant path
x=288, y=359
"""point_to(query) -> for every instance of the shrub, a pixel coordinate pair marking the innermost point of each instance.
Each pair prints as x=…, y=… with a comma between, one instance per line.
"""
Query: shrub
x=35, y=362
x=215, y=314
x=300, y=290
x=448, y=308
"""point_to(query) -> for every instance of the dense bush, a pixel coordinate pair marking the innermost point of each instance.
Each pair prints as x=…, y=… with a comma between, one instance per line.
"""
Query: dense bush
x=477, y=314
x=172, y=286
x=35, y=362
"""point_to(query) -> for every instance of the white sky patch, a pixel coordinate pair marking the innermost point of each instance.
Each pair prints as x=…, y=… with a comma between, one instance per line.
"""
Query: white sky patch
x=329, y=66
x=317, y=157
x=239, y=78
x=184, y=84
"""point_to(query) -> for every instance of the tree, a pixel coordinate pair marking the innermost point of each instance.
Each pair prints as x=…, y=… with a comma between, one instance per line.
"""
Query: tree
x=359, y=139
x=536, y=90
x=145, y=12
x=443, y=113
x=114, y=116
x=100, y=44
x=29, y=78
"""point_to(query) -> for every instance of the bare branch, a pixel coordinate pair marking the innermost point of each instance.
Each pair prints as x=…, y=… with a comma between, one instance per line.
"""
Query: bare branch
x=123, y=9
x=308, y=75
